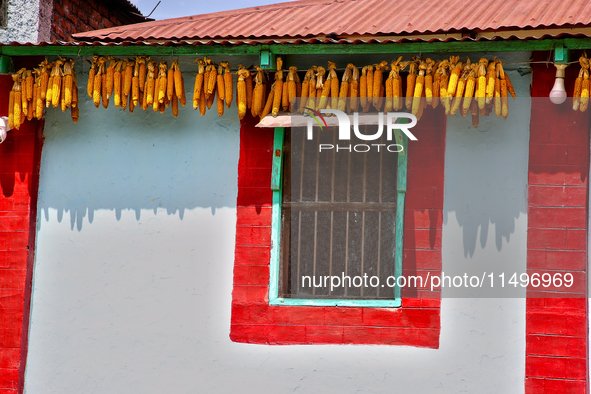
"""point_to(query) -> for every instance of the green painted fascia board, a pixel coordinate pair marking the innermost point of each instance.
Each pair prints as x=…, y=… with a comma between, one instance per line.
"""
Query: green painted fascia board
x=295, y=49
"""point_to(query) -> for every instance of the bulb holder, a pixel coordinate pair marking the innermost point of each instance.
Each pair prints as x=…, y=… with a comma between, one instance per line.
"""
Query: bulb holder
x=558, y=93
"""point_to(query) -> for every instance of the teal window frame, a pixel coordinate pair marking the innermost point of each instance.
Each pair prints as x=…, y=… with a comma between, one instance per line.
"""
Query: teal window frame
x=275, y=260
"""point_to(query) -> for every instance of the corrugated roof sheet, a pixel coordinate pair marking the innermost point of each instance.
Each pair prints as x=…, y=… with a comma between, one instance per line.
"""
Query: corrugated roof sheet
x=352, y=19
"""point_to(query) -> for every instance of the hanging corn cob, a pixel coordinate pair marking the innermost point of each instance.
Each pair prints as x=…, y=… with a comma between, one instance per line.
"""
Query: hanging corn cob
x=305, y=89
x=410, y=83
x=162, y=82
x=504, y=99
x=456, y=68
x=128, y=76
x=436, y=83
x=243, y=73
x=344, y=91
x=491, y=76
x=481, y=83
x=443, y=85
x=461, y=86
x=229, y=93
x=37, y=99
x=584, y=90
x=141, y=62
x=117, y=83
x=110, y=76
x=470, y=87
x=474, y=110
x=14, y=103
x=104, y=95
x=291, y=86
x=44, y=69
x=278, y=88
x=199, y=78
x=429, y=81
x=257, y=100
x=57, y=74
x=220, y=86
x=354, y=87
x=377, y=81
x=211, y=79
x=363, y=87
x=334, y=84
x=68, y=81
x=91, y=74
x=249, y=89
x=151, y=83
x=269, y=104
x=323, y=84
x=135, y=83
x=497, y=92
x=418, y=90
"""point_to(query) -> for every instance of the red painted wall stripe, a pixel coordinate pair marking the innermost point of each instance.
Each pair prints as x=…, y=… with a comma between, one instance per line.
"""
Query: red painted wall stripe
x=556, y=328
x=416, y=323
x=19, y=176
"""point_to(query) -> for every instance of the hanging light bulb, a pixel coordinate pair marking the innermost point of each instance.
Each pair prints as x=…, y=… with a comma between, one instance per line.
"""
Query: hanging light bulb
x=558, y=93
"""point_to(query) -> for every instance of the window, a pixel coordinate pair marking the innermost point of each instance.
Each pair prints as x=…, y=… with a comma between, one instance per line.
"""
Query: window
x=337, y=219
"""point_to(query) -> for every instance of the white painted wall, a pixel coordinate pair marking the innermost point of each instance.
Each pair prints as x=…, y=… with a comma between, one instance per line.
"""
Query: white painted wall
x=23, y=21
x=133, y=272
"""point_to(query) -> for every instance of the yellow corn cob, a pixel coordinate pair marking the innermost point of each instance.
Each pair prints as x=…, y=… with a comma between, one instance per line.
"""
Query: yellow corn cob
x=577, y=91
x=229, y=93
x=291, y=86
x=29, y=81
x=278, y=96
x=241, y=92
x=128, y=70
x=151, y=83
x=11, y=109
x=269, y=104
x=305, y=89
x=91, y=74
x=39, y=101
x=57, y=74
x=377, y=81
x=104, y=91
x=584, y=90
x=344, y=91
x=155, y=103
x=17, y=108
x=178, y=79
x=491, y=76
x=141, y=61
x=334, y=84
x=44, y=78
x=418, y=91
x=284, y=95
x=354, y=87
x=504, y=99
x=202, y=102
x=211, y=80
x=453, y=79
x=110, y=72
x=410, y=85
x=145, y=98
x=162, y=82
x=221, y=89
x=175, y=104
x=298, y=86
x=443, y=82
x=219, y=101
x=389, y=93
x=497, y=98
x=135, y=85
x=74, y=89
x=249, y=88
x=429, y=82
x=32, y=105
x=68, y=82
x=470, y=88
x=257, y=99
x=323, y=83
x=131, y=105
x=170, y=83
x=49, y=93
x=459, y=93
x=183, y=97
x=363, y=87
x=96, y=86
x=198, y=84
x=480, y=92
x=117, y=84
x=369, y=83
x=211, y=99
x=311, y=103
x=436, y=89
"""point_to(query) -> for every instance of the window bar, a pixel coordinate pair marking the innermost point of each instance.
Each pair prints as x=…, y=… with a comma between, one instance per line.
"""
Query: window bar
x=334, y=141
x=300, y=212
x=316, y=213
x=380, y=218
x=347, y=221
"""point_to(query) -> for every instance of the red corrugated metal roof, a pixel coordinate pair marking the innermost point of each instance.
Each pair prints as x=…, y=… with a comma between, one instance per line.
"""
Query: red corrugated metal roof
x=346, y=19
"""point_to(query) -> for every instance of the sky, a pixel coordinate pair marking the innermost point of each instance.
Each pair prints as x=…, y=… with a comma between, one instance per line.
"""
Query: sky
x=177, y=8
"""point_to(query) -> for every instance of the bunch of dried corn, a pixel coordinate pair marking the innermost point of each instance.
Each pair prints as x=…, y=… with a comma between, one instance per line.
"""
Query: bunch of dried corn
x=581, y=92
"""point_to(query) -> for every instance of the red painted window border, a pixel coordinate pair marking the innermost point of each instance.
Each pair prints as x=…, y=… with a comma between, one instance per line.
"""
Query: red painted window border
x=416, y=323
x=557, y=328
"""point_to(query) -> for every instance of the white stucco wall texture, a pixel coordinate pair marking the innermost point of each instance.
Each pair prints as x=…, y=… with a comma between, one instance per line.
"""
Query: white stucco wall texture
x=135, y=251
x=23, y=21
